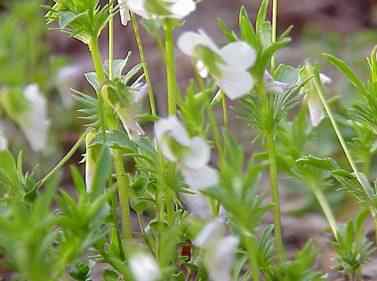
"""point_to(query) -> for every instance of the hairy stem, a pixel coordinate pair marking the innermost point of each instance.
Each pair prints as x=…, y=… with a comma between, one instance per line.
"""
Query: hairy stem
x=122, y=179
x=275, y=198
x=170, y=68
x=144, y=62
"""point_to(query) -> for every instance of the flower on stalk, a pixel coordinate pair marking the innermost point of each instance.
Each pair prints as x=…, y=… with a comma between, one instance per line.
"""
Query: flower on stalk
x=316, y=111
x=144, y=267
x=219, y=250
x=34, y=122
x=155, y=9
x=127, y=114
x=228, y=65
x=191, y=154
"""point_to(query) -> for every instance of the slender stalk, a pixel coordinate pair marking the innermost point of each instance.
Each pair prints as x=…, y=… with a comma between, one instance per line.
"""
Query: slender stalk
x=251, y=250
x=62, y=162
x=320, y=92
x=144, y=62
x=275, y=198
x=225, y=111
x=274, y=28
x=111, y=40
x=321, y=198
x=170, y=67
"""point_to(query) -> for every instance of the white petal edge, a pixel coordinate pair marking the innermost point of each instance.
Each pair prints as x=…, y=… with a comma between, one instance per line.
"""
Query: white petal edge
x=239, y=54
x=3, y=142
x=124, y=12
x=199, y=179
x=137, y=7
x=315, y=110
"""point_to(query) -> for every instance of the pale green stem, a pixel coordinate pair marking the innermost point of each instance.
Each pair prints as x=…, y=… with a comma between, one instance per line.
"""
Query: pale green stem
x=63, y=161
x=170, y=68
x=320, y=92
x=274, y=29
x=144, y=62
x=274, y=181
x=321, y=198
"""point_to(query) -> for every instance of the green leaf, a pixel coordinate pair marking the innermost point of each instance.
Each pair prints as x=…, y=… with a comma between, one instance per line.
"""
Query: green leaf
x=103, y=172
x=348, y=72
x=262, y=15
x=247, y=31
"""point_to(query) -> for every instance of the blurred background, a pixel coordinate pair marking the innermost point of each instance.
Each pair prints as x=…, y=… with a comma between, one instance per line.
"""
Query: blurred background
x=31, y=52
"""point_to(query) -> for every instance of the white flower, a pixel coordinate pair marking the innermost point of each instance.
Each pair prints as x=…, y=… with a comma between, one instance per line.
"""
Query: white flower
x=228, y=65
x=34, y=122
x=177, y=9
x=219, y=250
x=192, y=154
x=3, y=142
x=66, y=80
x=144, y=267
x=197, y=204
x=274, y=85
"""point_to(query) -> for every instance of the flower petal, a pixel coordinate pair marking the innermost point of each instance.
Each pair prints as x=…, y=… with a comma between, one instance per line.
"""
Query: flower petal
x=213, y=231
x=144, y=267
x=325, y=79
x=182, y=8
x=239, y=54
x=197, y=205
x=199, y=154
x=170, y=127
x=188, y=41
x=199, y=179
x=124, y=11
x=220, y=258
x=275, y=86
x=235, y=83
x=3, y=142
x=315, y=110
x=137, y=7
x=34, y=122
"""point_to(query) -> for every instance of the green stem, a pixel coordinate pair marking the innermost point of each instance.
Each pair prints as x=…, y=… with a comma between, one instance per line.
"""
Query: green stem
x=111, y=40
x=225, y=111
x=144, y=62
x=275, y=197
x=63, y=161
x=321, y=198
x=274, y=29
x=320, y=92
x=97, y=60
x=251, y=248
x=170, y=67
x=123, y=191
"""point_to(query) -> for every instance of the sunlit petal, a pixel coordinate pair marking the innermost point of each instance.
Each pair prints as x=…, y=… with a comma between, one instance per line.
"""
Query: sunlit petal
x=213, y=231
x=182, y=8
